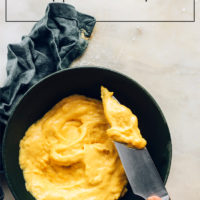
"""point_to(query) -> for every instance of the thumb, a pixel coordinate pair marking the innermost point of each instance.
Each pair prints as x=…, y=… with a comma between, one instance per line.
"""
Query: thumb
x=154, y=198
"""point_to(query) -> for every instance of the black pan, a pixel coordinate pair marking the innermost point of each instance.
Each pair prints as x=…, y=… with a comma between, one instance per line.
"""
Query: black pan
x=87, y=81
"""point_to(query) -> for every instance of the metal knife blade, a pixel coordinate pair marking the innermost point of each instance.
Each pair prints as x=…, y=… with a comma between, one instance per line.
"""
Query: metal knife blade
x=141, y=172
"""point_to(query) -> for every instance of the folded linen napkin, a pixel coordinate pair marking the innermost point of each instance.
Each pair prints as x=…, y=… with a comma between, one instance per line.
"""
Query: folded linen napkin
x=53, y=43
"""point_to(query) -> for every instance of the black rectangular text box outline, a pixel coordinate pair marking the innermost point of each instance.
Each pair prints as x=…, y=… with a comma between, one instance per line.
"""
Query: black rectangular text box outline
x=193, y=20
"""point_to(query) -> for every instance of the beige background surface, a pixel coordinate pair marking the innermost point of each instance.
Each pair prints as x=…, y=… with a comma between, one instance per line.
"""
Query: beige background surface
x=163, y=57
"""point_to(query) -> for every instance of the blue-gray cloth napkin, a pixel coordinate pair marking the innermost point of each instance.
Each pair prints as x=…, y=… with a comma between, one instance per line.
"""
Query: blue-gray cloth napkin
x=53, y=43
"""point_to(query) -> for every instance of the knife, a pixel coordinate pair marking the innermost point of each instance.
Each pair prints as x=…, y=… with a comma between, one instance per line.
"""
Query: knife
x=141, y=172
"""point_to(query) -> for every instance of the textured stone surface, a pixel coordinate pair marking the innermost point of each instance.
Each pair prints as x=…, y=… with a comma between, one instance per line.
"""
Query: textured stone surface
x=163, y=57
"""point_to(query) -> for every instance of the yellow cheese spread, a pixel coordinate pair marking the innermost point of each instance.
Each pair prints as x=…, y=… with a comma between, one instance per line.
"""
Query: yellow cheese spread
x=124, y=124
x=69, y=153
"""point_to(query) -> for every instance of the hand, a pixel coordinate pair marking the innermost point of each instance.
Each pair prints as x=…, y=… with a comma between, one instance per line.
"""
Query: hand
x=154, y=198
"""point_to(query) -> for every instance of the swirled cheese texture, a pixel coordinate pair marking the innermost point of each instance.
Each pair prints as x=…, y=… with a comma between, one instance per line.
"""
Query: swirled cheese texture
x=67, y=154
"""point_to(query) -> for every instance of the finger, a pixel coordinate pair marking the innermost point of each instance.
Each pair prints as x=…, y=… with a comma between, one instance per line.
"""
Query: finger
x=154, y=198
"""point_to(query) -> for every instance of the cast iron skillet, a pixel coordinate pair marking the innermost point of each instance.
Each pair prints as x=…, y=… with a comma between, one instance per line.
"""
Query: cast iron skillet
x=87, y=81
